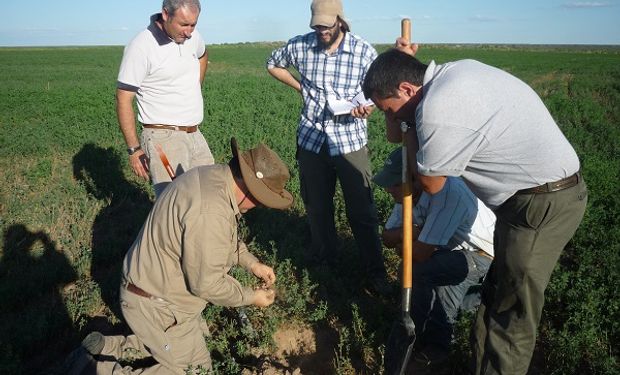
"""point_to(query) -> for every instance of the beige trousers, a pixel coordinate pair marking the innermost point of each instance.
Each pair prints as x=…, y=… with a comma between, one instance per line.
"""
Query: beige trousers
x=183, y=150
x=175, y=340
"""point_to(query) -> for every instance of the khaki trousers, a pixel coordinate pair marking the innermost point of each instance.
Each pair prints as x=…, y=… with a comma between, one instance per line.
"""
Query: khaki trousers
x=184, y=152
x=175, y=340
x=530, y=233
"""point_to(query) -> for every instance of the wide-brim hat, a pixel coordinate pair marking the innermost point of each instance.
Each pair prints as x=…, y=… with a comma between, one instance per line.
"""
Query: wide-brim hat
x=392, y=172
x=324, y=13
x=264, y=174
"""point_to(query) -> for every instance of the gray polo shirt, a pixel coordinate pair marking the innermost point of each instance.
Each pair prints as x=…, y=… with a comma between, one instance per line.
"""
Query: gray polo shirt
x=189, y=242
x=165, y=77
x=490, y=128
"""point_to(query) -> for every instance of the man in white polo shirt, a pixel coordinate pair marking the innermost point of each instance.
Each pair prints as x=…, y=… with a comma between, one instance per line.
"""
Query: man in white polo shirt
x=163, y=68
x=453, y=249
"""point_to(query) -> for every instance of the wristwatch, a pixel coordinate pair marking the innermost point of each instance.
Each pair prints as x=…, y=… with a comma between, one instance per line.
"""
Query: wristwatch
x=132, y=150
x=404, y=126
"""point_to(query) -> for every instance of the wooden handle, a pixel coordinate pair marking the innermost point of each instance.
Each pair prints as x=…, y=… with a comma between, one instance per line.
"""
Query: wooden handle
x=407, y=223
x=405, y=33
x=405, y=29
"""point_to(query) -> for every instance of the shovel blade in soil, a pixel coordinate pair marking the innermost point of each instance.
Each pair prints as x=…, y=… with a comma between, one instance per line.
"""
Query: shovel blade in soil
x=399, y=346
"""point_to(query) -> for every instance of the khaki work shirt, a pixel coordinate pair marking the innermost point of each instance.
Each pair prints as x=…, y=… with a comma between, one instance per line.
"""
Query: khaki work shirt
x=189, y=243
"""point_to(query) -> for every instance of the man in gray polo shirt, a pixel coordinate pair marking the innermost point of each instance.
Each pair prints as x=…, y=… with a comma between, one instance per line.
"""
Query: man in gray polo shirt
x=163, y=68
x=490, y=128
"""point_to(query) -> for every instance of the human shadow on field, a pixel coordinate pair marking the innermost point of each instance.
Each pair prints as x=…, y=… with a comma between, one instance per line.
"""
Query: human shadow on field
x=35, y=325
x=118, y=223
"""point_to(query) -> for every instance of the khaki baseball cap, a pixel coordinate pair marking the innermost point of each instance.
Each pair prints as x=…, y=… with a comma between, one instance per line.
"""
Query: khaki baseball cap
x=264, y=174
x=324, y=13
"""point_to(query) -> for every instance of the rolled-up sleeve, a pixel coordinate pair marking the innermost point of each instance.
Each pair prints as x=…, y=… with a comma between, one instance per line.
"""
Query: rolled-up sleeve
x=246, y=259
x=280, y=58
x=208, y=251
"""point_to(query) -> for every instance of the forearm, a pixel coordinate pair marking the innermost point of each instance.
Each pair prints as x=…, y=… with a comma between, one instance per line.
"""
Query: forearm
x=392, y=237
x=422, y=251
x=284, y=76
x=246, y=259
x=204, y=64
x=430, y=184
x=126, y=117
x=393, y=133
x=411, y=142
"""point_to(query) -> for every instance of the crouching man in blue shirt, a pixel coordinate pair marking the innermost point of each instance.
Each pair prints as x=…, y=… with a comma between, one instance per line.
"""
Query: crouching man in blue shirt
x=453, y=249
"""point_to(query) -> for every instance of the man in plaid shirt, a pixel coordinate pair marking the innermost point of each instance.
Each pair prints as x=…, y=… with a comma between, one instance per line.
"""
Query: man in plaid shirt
x=332, y=63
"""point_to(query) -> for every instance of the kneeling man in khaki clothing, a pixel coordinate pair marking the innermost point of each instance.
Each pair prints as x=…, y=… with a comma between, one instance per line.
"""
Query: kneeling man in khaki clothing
x=180, y=261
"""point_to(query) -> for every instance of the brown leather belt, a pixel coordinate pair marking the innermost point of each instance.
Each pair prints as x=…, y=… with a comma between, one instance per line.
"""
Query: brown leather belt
x=135, y=290
x=550, y=187
x=187, y=129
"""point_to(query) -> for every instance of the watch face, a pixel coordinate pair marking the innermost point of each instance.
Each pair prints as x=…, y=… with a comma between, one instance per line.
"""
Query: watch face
x=404, y=126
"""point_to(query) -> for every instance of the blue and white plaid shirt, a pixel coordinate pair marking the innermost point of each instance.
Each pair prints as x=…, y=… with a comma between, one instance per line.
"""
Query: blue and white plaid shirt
x=341, y=75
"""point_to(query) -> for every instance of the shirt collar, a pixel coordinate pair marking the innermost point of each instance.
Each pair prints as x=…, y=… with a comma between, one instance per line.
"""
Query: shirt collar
x=160, y=35
x=230, y=181
x=430, y=72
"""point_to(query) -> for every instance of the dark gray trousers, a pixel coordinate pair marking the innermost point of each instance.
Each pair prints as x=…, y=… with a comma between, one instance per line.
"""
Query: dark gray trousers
x=318, y=174
x=530, y=234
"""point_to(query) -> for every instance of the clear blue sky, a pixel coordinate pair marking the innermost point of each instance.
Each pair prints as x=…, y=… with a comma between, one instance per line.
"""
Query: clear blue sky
x=115, y=22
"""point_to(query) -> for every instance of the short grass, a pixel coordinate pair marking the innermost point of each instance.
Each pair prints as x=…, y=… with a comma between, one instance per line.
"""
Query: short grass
x=70, y=208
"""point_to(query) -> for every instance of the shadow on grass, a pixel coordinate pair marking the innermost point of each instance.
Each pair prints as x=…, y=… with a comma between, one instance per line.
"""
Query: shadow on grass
x=117, y=224
x=35, y=324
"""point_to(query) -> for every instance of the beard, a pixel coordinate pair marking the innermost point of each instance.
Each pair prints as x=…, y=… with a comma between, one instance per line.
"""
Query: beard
x=326, y=44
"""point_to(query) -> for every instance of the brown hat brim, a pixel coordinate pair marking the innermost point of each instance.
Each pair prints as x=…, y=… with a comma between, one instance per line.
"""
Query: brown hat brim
x=257, y=187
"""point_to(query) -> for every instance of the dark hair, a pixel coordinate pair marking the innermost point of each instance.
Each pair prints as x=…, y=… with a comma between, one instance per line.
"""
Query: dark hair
x=389, y=70
x=344, y=26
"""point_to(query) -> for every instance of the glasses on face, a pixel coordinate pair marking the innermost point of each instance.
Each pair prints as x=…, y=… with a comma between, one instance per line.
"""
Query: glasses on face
x=321, y=27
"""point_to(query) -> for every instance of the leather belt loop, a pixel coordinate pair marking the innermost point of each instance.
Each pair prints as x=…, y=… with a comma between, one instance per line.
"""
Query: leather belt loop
x=551, y=187
x=186, y=129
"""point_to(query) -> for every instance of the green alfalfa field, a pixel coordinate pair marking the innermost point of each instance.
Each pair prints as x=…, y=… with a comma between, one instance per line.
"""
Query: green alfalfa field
x=70, y=208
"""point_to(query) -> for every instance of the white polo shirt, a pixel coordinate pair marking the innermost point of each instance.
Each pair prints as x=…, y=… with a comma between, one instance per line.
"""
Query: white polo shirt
x=165, y=77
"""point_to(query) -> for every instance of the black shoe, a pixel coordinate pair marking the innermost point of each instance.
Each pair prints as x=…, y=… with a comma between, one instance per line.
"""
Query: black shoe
x=94, y=343
x=79, y=362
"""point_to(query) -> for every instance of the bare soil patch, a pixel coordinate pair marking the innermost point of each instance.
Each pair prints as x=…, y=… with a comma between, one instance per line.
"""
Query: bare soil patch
x=299, y=350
